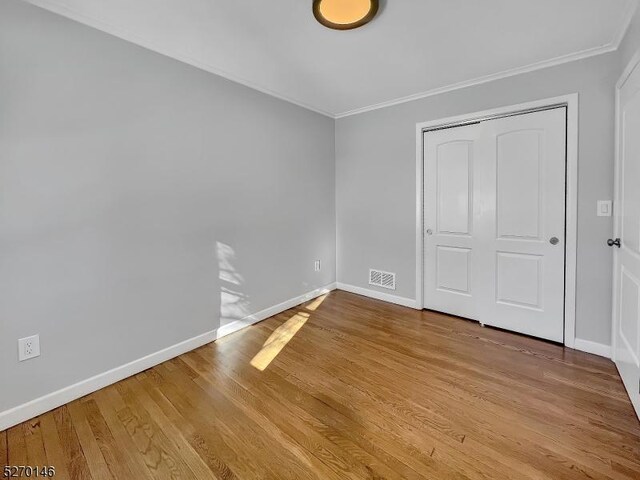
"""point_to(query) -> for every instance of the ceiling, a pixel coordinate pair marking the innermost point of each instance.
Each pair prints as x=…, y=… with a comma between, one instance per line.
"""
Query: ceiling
x=413, y=48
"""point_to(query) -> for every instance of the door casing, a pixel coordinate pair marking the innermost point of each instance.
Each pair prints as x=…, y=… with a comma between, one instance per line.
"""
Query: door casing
x=571, y=102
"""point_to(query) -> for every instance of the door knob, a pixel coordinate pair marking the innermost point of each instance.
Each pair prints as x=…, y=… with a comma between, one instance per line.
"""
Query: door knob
x=429, y=231
x=554, y=240
x=611, y=242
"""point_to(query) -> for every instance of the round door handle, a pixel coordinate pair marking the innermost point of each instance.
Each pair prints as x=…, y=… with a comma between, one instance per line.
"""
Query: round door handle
x=611, y=242
x=554, y=241
x=429, y=231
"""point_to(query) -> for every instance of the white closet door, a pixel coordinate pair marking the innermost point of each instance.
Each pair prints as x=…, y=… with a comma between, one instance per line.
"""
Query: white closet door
x=626, y=292
x=523, y=163
x=495, y=207
x=450, y=240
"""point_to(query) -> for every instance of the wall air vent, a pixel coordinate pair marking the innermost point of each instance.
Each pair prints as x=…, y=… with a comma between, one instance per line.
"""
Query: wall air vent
x=382, y=279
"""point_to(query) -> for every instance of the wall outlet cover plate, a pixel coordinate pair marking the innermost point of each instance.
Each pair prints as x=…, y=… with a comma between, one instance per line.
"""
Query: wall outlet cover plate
x=28, y=347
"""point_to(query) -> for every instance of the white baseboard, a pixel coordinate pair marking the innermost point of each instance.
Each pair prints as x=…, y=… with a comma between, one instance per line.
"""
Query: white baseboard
x=48, y=402
x=36, y=407
x=582, y=345
x=271, y=311
x=592, y=347
x=385, y=297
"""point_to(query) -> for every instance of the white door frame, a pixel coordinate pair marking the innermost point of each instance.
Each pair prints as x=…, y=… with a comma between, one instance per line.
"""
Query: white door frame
x=569, y=101
x=617, y=226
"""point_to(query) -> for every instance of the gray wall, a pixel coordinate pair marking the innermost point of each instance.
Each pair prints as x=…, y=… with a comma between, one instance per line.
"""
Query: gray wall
x=376, y=169
x=631, y=41
x=142, y=201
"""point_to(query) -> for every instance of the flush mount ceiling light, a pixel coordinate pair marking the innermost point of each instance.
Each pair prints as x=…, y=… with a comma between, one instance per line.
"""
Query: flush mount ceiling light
x=344, y=14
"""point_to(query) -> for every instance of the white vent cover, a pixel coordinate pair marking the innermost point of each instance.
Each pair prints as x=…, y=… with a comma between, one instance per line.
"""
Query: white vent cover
x=382, y=279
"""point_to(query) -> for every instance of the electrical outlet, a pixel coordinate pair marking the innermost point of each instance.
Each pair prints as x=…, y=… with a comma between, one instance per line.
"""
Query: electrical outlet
x=316, y=265
x=28, y=347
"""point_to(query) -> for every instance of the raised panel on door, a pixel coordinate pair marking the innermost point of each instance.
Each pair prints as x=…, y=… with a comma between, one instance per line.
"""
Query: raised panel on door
x=454, y=171
x=519, y=184
x=631, y=175
x=626, y=293
x=449, y=158
x=519, y=280
x=629, y=314
x=522, y=159
x=453, y=270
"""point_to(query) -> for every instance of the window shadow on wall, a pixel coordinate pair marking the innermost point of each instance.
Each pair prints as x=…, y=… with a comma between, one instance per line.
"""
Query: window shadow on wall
x=234, y=304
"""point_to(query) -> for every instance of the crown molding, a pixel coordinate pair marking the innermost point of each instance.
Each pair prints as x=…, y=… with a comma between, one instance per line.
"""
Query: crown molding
x=628, y=17
x=55, y=7
x=484, y=79
x=613, y=45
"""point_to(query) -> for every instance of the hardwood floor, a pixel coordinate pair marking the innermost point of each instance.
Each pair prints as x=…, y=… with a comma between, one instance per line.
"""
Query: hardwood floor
x=358, y=389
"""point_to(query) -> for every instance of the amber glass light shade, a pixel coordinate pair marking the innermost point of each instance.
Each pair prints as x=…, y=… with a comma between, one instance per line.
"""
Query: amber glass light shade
x=344, y=14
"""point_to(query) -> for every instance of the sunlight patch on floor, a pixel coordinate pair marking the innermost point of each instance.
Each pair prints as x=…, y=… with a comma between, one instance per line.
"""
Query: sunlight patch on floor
x=278, y=340
x=316, y=303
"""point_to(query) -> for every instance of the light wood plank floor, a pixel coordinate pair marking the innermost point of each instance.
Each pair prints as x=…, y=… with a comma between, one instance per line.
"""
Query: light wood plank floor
x=358, y=389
